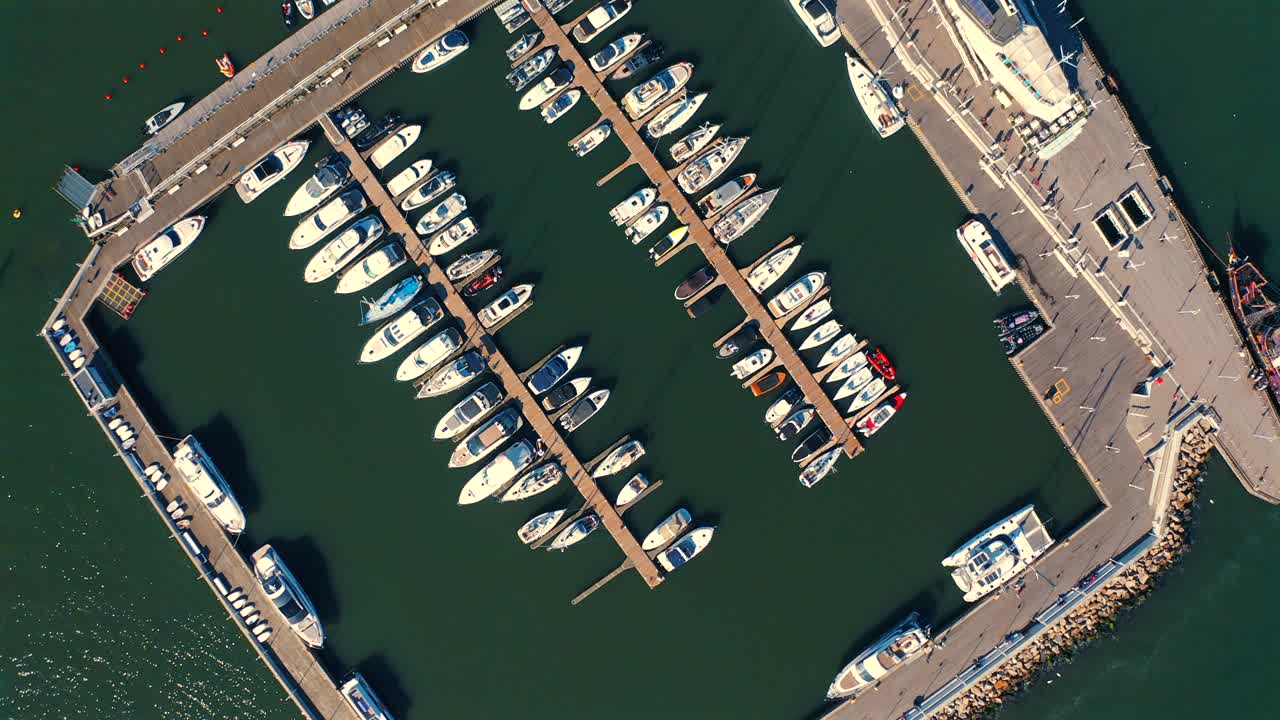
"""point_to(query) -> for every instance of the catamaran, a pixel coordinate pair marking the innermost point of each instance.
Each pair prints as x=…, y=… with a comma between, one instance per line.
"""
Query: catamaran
x=875, y=98
x=404, y=329
x=998, y=554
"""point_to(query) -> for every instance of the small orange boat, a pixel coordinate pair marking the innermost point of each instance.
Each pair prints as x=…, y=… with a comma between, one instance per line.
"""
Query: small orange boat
x=768, y=383
x=225, y=66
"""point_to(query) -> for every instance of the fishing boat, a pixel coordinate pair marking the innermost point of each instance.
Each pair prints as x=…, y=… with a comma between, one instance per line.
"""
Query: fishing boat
x=430, y=190
x=795, y=423
x=429, y=355
x=225, y=66
x=401, y=331
x=871, y=424
x=164, y=248
x=527, y=71
x=592, y=140
x=565, y=394
x=599, y=18
x=695, y=283
x=271, y=169
x=838, y=349
x=287, y=596
x=575, y=533
x=868, y=394
x=751, y=364
x=653, y=92
x=167, y=114
x=465, y=266
x=820, y=467
x=722, y=197
x=408, y=177
x=375, y=132
x=391, y=148
x=331, y=174
x=768, y=383
x=442, y=214
x=894, y=649
x=875, y=98
x=685, y=549
x=203, y=477
x=390, y=302
x=689, y=145
x=583, y=410
x=372, y=268
x=644, y=225
x=332, y=215
x=811, y=445
x=821, y=335
x=1020, y=339
x=710, y=164
x=448, y=47
x=548, y=87
x=847, y=367
x=536, y=481
x=674, y=116
x=667, y=530
x=453, y=236
x=634, y=204
x=742, y=218
x=998, y=554
x=880, y=361
x=469, y=411
x=488, y=437
x=453, y=376
x=796, y=293
x=1006, y=324
x=306, y=8
x=488, y=279
x=783, y=406
x=745, y=337
x=360, y=696
x=669, y=242
x=818, y=19
x=647, y=56
x=613, y=53
x=985, y=254
x=854, y=383
x=539, y=525
x=632, y=490
x=343, y=249
x=553, y=370
x=500, y=471
x=505, y=304
x=763, y=276
x=523, y=45
x=620, y=459
x=561, y=105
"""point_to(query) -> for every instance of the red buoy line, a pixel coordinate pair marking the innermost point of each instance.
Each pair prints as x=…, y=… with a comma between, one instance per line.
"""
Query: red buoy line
x=142, y=65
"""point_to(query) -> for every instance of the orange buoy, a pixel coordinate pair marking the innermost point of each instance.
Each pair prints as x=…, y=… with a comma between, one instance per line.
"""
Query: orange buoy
x=17, y=213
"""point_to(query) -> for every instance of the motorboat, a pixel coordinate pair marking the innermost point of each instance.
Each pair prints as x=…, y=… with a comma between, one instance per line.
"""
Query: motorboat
x=767, y=384
x=445, y=212
x=632, y=490
x=391, y=148
x=647, y=56
x=811, y=445
x=499, y=473
x=818, y=18
x=536, y=481
x=448, y=47
x=453, y=376
x=668, y=243
x=728, y=193
x=674, y=116
x=306, y=8
x=372, y=268
x=548, y=87
x=742, y=218
x=875, y=98
x=429, y=355
x=847, y=367
x=469, y=411
x=998, y=554
x=553, y=370
x=391, y=301
x=838, y=349
x=821, y=335
x=855, y=382
x=332, y=215
x=485, y=280
x=710, y=164
x=620, y=459
x=868, y=394
x=527, y=71
x=986, y=255
x=285, y=593
x=592, y=140
x=1018, y=340
x=575, y=533
x=691, y=144
x=225, y=66
x=783, y=406
x=796, y=293
x=751, y=364
x=820, y=467
x=504, y=305
x=539, y=525
x=561, y=105
x=331, y=174
x=644, y=225
x=203, y=477
x=343, y=249
x=352, y=120
x=523, y=45
x=612, y=54
x=408, y=177
x=565, y=394
x=685, y=549
x=167, y=114
x=360, y=696
x=653, y=92
x=583, y=410
x=375, y=132
x=271, y=169
x=667, y=530
x=634, y=204
x=453, y=236
x=599, y=18
x=1006, y=324
x=895, y=648
x=871, y=423
x=488, y=437
x=466, y=266
x=763, y=276
x=745, y=337
x=795, y=422
x=695, y=283
x=401, y=331
x=437, y=185
x=164, y=248
x=286, y=12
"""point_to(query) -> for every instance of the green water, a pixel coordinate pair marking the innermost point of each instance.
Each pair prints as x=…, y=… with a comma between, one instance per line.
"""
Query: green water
x=439, y=605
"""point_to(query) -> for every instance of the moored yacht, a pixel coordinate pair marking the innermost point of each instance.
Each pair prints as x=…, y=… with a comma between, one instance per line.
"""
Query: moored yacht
x=442, y=214
x=500, y=471
x=504, y=305
x=453, y=236
x=796, y=293
x=343, y=249
x=781, y=407
x=271, y=169
x=527, y=71
x=674, y=116
x=391, y=301
x=469, y=411
x=686, y=548
x=631, y=206
x=583, y=410
x=406, y=178
x=985, y=254
x=857, y=380
x=575, y=533
x=722, y=197
x=632, y=490
x=547, y=87
x=449, y=46
x=742, y=218
x=395, y=334
x=839, y=349
x=523, y=45
x=811, y=315
x=871, y=424
x=434, y=187
x=613, y=53
x=751, y=364
x=709, y=165
x=874, y=97
x=331, y=216
x=467, y=265
x=644, y=225
x=331, y=174
x=203, y=477
x=453, y=376
x=764, y=275
x=695, y=283
x=745, y=337
x=429, y=355
x=360, y=696
x=820, y=467
x=553, y=370
x=561, y=105
x=539, y=525
x=821, y=335
x=599, y=18
x=998, y=554
x=647, y=56
x=167, y=114
x=795, y=423
x=536, y=481
x=167, y=246
x=286, y=594
x=372, y=268
x=667, y=530
x=565, y=394
x=652, y=93
x=390, y=148
x=620, y=459
x=895, y=648
x=868, y=394
x=847, y=367
x=488, y=437
x=811, y=445
x=592, y=140
x=668, y=243
x=818, y=19
x=689, y=145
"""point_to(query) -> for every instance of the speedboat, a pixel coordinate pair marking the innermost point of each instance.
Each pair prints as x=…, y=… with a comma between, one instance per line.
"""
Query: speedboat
x=856, y=381
x=652, y=93
x=895, y=648
x=430, y=190
x=783, y=406
x=404, y=329
x=553, y=370
x=868, y=394
x=500, y=471
x=667, y=530
x=872, y=423
x=669, y=242
x=317, y=226
x=452, y=236
x=689, y=145
x=442, y=214
x=620, y=459
x=820, y=467
x=565, y=394
x=429, y=355
x=331, y=174
x=600, y=17
x=742, y=218
x=847, y=367
x=287, y=596
x=998, y=554
x=360, y=696
x=575, y=533
x=838, y=349
x=453, y=376
x=821, y=335
x=795, y=422
x=709, y=165
x=592, y=140
x=271, y=169
x=880, y=361
x=811, y=315
x=874, y=97
x=1006, y=324
x=375, y=266
x=391, y=301
x=539, y=525
x=306, y=8
x=629, y=492
x=811, y=445
x=373, y=133
x=441, y=51
x=561, y=105
x=343, y=249
x=674, y=116
x=525, y=72
x=767, y=384
x=644, y=225
x=485, y=280
x=465, y=266
x=406, y=178
x=751, y=364
x=634, y=204
x=469, y=411
x=746, y=336
x=523, y=45
x=167, y=246
x=225, y=66
x=722, y=197
x=796, y=293
x=583, y=410
x=548, y=87
x=488, y=437
x=686, y=548
x=647, y=56
x=695, y=283
x=764, y=275
x=613, y=53
x=986, y=255
x=821, y=23
x=206, y=481
x=391, y=148
x=505, y=304
x=166, y=115
x=536, y=481
x=1018, y=340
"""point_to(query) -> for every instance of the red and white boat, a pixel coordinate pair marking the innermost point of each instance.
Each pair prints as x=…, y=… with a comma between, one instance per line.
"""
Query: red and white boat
x=872, y=423
x=225, y=66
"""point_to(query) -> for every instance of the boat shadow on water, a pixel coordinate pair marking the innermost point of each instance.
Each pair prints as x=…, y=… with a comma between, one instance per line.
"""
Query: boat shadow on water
x=308, y=564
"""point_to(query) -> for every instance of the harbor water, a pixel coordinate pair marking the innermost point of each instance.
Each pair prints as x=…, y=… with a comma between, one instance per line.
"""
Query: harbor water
x=440, y=606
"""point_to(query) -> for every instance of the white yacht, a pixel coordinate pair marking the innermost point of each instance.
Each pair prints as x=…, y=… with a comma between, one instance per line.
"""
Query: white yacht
x=873, y=94
x=709, y=165
x=620, y=459
x=763, y=276
x=583, y=410
x=538, y=526
x=691, y=144
x=838, y=349
x=500, y=472
x=390, y=148
x=167, y=114
x=819, y=19
x=998, y=554
x=448, y=47
x=667, y=530
x=525, y=72
x=535, y=482
x=286, y=594
x=575, y=533
x=685, y=549
x=372, y=268
x=820, y=467
x=634, y=204
x=407, y=177
x=644, y=225
x=847, y=367
x=821, y=335
x=167, y=246
x=561, y=105
x=553, y=370
x=505, y=304
x=453, y=376
x=592, y=140
x=674, y=116
x=202, y=476
x=547, y=87
x=796, y=293
x=751, y=364
x=856, y=381
x=599, y=18
x=360, y=696
x=488, y=437
x=437, y=185
x=613, y=53
x=739, y=221
x=429, y=355
x=868, y=394
x=727, y=194
x=469, y=411
x=330, y=175
x=649, y=95
x=442, y=214
x=466, y=265
x=895, y=648
x=453, y=236
x=331, y=216
x=343, y=249
x=523, y=45
x=811, y=315
x=407, y=326
x=271, y=169
x=985, y=254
